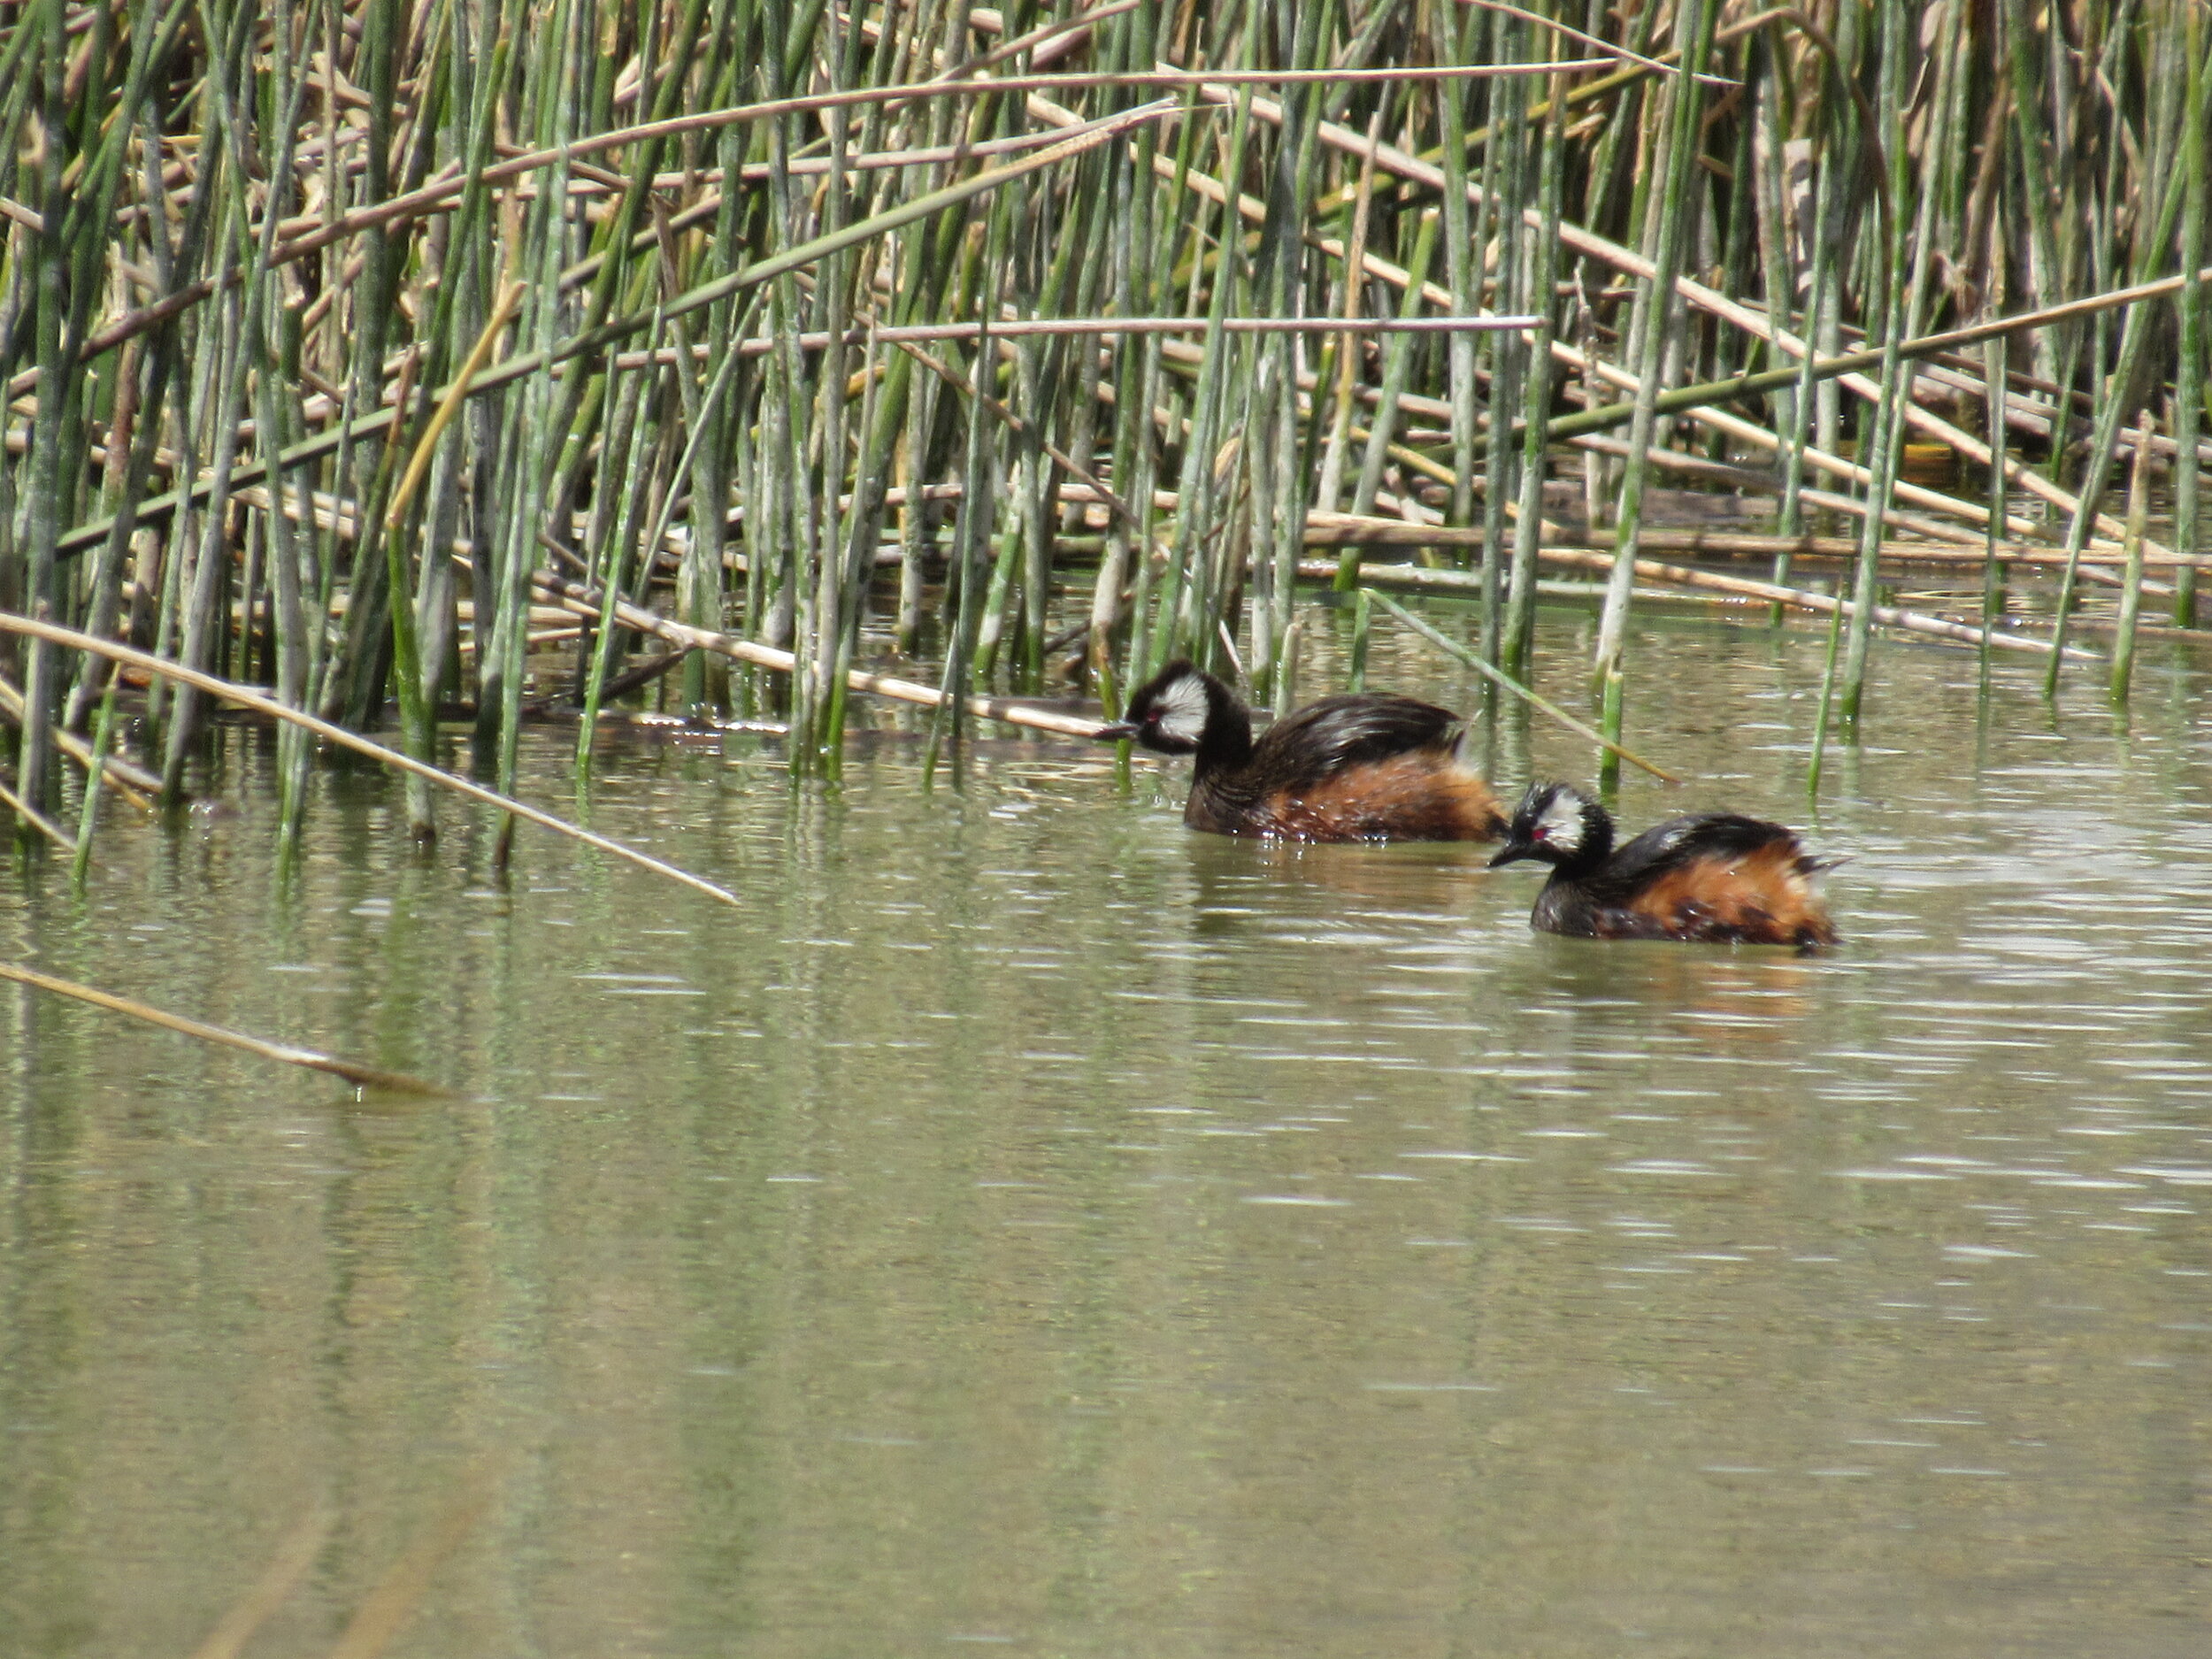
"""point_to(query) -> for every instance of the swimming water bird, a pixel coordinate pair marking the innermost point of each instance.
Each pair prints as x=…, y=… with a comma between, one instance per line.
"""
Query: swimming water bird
x=1365, y=766
x=1710, y=876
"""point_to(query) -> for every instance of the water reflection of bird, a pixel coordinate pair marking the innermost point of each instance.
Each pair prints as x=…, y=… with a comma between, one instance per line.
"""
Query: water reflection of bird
x=1709, y=876
x=1649, y=1001
x=1333, y=888
x=1367, y=766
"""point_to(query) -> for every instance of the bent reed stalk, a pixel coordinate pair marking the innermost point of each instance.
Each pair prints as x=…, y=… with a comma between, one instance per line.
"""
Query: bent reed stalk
x=246, y=698
x=334, y=331
x=314, y=1060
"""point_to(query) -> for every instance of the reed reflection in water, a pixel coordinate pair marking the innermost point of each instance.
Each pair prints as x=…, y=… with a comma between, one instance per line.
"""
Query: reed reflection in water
x=1030, y=1225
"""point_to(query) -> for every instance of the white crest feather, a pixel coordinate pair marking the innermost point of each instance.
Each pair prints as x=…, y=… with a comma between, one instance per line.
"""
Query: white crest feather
x=1561, y=823
x=1183, y=708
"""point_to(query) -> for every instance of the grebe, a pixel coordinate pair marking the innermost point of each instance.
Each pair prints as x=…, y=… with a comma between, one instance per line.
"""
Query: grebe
x=1365, y=766
x=1709, y=876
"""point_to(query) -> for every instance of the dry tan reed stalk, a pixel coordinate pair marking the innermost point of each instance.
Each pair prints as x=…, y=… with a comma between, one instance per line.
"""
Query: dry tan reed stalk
x=1652, y=65
x=1415, y=577
x=441, y=193
x=583, y=601
x=129, y=780
x=1754, y=321
x=246, y=698
x=1017, y=328
x=1058, y=30
x=1254, y=211
x=313, y=1060
x=455, y=395
x=1344, y=530
x=36, y=820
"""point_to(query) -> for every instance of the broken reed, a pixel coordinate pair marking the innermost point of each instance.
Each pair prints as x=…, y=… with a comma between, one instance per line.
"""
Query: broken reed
x=335, y=332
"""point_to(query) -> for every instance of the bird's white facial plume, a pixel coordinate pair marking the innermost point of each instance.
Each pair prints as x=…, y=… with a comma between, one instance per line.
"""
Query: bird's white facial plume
x=1183, y=708
x=1561, y=823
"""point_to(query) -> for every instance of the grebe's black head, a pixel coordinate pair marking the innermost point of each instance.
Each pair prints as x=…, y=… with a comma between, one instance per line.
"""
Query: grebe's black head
x=1559, y=825
x=1181, y=711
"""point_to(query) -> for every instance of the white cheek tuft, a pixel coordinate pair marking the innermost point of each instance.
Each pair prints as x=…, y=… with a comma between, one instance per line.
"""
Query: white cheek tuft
x=1183, y=709
x=1560, y=824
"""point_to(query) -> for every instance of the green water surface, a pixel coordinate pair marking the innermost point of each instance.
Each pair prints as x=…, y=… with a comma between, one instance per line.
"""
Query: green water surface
x=1027, y=1224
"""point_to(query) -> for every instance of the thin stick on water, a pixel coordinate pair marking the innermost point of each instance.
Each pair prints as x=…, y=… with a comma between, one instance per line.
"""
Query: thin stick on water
x=313, y=1060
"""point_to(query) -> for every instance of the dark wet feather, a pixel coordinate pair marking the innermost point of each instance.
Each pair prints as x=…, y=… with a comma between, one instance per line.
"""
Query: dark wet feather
x=1669, y=846
x=1356, y=729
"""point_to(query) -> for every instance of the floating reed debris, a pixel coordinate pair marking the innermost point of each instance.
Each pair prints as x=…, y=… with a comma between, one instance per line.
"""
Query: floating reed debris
x=359, y=1076
x=335, y=332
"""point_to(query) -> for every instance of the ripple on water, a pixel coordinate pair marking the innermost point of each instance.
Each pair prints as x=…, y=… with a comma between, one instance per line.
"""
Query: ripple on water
x=1120, y=1208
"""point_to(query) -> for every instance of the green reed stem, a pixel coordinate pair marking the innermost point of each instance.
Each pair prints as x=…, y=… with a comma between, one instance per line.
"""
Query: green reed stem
x=1657, y=304
x=2131, y=590
x=2189, y=378
x=1498, y=677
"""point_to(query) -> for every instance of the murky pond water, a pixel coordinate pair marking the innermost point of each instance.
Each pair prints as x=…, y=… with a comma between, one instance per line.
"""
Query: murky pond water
x=1027, y=1224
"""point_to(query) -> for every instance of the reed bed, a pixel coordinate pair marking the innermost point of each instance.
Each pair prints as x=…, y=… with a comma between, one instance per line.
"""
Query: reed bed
x=414, y=362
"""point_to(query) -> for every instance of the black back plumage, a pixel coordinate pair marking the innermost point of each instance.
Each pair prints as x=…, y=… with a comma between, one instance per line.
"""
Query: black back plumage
x=1355, y=728
x=1682, y=841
